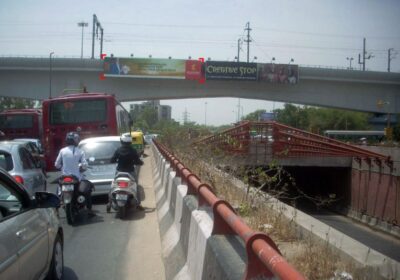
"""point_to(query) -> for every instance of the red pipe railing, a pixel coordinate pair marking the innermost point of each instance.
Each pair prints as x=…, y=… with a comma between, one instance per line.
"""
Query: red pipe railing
x=263, y=256
x=287, y=141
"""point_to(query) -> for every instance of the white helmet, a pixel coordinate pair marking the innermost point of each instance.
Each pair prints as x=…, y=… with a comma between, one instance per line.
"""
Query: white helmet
x=126, y=138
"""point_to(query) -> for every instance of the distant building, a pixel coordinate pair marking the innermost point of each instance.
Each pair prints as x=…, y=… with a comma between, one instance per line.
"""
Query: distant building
x=163, y=111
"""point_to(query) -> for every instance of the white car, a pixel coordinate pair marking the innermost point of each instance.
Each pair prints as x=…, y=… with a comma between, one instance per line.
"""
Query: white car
x=98, y=153
x=31, y=237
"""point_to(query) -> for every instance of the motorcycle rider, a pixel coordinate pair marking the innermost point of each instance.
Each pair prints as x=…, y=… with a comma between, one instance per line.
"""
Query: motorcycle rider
x=126, y=158
x=71, y=160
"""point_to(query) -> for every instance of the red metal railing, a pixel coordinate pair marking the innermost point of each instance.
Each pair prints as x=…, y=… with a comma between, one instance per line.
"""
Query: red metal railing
x=285, y=141
x=263, y=256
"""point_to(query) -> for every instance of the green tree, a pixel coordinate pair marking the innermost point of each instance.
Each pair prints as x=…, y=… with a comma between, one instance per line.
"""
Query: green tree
x=293, y=116
x=254, y=116
x=317, y=120
x=146, y=119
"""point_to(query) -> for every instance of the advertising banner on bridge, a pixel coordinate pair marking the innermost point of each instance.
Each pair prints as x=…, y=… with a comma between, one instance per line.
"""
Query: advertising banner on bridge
x=193, y=70
x=222, y=70
x=144, y=68
x=278, y=73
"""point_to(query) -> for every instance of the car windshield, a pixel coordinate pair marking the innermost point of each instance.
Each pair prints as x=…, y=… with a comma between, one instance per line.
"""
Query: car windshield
x=100, y=152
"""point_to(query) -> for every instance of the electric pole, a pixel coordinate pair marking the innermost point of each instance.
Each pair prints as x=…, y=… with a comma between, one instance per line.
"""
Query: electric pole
x=239, y=41
x=248, y=40
x=391, y=56
x=364, y=53
x=364, y=56
x=96, y=26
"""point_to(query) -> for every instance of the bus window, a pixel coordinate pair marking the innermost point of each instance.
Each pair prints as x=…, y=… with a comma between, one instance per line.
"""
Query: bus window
x=70, y=112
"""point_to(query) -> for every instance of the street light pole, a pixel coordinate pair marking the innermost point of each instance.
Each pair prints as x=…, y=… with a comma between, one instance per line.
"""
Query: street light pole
x=350, y=59
x=83, y=25
x=205, y=114
x=51, y=54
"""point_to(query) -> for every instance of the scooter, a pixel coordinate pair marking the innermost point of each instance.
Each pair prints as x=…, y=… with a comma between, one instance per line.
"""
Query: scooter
x=73, y=195
x=123, y=194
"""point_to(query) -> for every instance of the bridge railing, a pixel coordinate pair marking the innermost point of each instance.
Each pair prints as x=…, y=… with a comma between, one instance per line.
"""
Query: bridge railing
x=284, y=141
x=263, y=256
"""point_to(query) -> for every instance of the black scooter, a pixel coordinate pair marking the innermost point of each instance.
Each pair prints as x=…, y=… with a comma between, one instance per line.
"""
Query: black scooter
x=73, y=194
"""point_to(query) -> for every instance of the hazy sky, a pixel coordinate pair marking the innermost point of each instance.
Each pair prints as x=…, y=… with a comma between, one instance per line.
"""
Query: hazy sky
x=312, y=32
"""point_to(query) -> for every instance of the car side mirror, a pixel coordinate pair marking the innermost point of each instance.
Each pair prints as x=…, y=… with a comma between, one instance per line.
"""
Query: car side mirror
x=47, y=200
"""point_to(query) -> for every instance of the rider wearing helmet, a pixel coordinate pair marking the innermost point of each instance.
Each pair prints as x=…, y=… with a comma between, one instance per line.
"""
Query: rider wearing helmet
x=71, y=160
x=126, y=158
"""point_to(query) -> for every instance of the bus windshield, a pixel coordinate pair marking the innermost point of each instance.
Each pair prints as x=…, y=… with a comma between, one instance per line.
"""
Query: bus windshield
x=16, y=121
x=80, y=111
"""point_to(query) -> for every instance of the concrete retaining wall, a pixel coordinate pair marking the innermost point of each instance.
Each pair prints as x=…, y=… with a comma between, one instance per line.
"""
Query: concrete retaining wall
x=189, y=249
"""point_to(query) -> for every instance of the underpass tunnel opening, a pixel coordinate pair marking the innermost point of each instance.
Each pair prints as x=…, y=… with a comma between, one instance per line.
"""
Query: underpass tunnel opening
x=321, y=187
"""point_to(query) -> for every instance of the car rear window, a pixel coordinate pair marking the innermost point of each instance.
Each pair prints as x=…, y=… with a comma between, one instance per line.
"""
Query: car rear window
x=6, y=161
x=100, y=152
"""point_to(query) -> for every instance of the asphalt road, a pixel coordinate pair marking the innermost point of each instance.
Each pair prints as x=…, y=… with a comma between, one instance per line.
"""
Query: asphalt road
x=382, y=242
x=106, y=247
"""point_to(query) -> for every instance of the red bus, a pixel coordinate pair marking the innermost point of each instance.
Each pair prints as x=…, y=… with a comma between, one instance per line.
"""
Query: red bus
x=21, y=123
x=89, y=114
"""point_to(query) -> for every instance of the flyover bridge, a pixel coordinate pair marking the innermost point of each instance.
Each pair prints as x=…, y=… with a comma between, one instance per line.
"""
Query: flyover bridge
x=347, y=89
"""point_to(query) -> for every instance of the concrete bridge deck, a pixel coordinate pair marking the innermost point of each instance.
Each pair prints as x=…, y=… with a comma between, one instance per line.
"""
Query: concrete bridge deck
x=346, y=89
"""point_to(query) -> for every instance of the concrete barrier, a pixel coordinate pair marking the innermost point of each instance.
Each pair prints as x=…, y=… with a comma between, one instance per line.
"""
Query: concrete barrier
x=189, y=250
x=202, y=236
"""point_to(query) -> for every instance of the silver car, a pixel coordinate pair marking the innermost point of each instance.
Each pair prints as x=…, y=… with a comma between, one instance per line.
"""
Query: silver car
x=98, y=152
x=19, y=162
x=31, y=237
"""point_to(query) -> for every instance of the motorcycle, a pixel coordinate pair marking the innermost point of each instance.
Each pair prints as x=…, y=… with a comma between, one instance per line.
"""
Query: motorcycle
x=123, y=194
x=73, y=195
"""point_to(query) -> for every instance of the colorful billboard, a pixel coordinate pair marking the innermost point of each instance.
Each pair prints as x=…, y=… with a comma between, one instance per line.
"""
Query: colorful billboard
x=221, y=70
x=278, y=73
x=144, y=68
x=193, y=70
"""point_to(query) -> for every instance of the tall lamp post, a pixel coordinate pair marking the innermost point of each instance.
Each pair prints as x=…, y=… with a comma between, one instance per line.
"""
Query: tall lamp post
x=350, y=59
x=83, y=25
x=51, y=54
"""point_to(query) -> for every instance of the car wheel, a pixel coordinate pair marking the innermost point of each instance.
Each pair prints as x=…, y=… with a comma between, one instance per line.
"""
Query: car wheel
x=56, y=271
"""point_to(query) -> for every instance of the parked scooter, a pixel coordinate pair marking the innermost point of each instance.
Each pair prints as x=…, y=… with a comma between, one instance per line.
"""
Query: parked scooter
x=73, y=195
x=123, y=194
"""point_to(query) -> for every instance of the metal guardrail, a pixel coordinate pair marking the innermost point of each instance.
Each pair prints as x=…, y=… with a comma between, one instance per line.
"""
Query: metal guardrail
x=263, y=256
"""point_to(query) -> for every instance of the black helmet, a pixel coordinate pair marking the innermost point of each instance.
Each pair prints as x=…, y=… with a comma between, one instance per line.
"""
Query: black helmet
x=72, y=138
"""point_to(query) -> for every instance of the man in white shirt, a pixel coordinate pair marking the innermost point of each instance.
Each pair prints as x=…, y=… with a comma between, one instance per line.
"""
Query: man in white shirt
x=70, y=159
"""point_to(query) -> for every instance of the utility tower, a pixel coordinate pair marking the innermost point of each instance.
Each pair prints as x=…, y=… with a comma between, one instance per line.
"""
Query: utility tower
x=248, y=40
x=185, y=116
